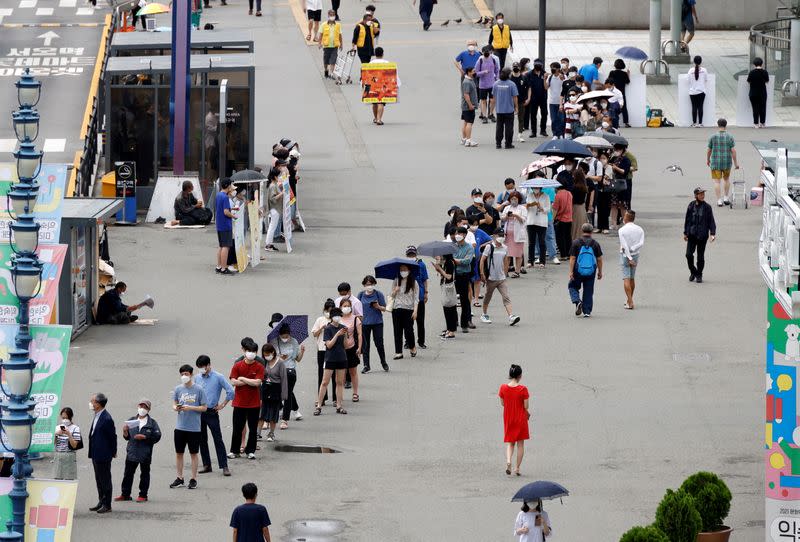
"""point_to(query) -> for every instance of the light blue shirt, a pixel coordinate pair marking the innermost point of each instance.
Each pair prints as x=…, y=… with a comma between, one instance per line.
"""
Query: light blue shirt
x=292, y=348
x=590, y=74
x=504, y=93
x=551, y=193
x=189, y=420
x=212, y=384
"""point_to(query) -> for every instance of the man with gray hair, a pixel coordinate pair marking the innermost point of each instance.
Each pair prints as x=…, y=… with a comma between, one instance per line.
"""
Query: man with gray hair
x=585, y=264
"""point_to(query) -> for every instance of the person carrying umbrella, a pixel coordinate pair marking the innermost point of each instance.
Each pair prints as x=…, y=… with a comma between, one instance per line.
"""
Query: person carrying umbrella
x=532, y=524
x=405, y=293
x=290, y=352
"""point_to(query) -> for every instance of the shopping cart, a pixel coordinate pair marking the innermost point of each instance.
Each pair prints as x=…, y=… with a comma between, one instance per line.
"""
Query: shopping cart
x=344, y=67
x=739, y=190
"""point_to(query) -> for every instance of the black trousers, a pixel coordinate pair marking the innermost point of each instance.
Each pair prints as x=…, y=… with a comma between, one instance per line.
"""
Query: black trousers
x=376, y=332
x=700, y=246
x=320, y=371
x=759, y=104
x=625, y=109
x=291, y=402
x=209, y=421
x=335, y=7
x=505, y=124
x=403, y=325
x=242, y=417
x=536, y=235
x=603, y=200
x=102, y=477
x=421, y=323
x=501, y=54
x=563, y=238
x=144, y=478
x=451, y=318
x=697, y=107
x=533, y=109
x=462, y=289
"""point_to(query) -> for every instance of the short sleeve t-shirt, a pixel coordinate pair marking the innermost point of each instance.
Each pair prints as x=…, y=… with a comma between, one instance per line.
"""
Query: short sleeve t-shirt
x=590, y=73
x=504, y=93
x=247, y=396
x=189, y=420
x=224, y=223
x=577, y=244
x=467, y=59
x=554, y=90
x=497, y=255
x=249, y=520
x=337, y=353
x=758, y=79
x=468, y=87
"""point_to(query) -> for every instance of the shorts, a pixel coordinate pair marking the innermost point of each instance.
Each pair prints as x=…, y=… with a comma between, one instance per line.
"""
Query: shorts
x=225, y=239
x=352, y=359
x=687, y=24
x=187, y=438
x=468, y=116
x=484, y=93
x=270, y=410
x=628, y=272
x=718, y=174
x=329, y=55
x=314, y=14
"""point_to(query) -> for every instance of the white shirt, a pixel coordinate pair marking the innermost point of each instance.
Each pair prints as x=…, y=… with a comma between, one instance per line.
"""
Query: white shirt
x=631, y=239
x=469, y=239
x=358, y=309
x=313, y=5
x=94, y=421
x=696, y=86
x=143, y=422
x=528, y=519
x=537, y=216
x=617, y=96
x=320, y=324
x=554, y=90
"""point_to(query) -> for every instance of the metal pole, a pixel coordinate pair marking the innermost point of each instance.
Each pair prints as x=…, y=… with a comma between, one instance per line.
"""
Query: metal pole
x=542, y=29
x=223, y=110
x=675, y=26
x=794, y=50
x=179, y=89
x=655, y=35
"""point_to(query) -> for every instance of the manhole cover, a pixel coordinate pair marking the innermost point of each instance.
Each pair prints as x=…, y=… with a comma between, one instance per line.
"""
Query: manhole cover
x=692, y=357
x=303, y=449
x=315, y=530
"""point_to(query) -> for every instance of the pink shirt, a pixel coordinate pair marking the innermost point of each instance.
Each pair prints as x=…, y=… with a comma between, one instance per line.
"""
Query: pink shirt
x=562, y=206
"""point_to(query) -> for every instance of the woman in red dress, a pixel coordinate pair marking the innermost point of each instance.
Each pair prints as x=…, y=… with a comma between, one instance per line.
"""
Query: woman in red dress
x=514, y=398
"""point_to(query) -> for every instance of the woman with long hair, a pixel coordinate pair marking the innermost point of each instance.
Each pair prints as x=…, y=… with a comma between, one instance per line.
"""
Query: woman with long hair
x=353, y=342
x=316, y=332
x=532, y=524
x=276, y=388
x=514, y=399
x=447, y=270
x=580, y=192
x=335, y=361
x=514, y=218
x=698, y=79
x=405, y=292
x=290, y=352
x=67, y=440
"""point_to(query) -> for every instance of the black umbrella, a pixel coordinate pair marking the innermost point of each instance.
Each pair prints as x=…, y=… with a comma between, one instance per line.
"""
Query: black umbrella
x=562, y=147
x=614, y=139
x=540, y=490
x=247, y=175
x=436, y=248
x=390, y=269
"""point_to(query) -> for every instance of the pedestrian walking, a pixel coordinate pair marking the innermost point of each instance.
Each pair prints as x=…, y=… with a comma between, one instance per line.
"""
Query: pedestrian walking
x=422, y=284
x=585, y=264
x=481, y=240
x=213, y=384
x=331, y=43
x=532, y=524
x=514, y=398
x=142, y=433
x=514, y=219
x=317, y=332
x=758, y=79
x=335, y=360
x=376, y=24
x=631, y=241
x=66, y=440
x=258, y=7
x=189, y=401
x=446, y=268
x=555, y=101
x=467, y=58
x=346, y=292
x=223, y=220
x=494, y=271
x=505, y=100
x=698, y=80
x=518, y=79
x=275, y=389
x=374, y=304
x=634, y=167
x=537, y=204
x=405, y=301
x=353, y=342
x=290, y=352
x=140, y=5
x=487, y=68
x=720, y=156
x=463, y=257
x=425, y=11
x=469, y=100
x=247, y=377
x=314, y=15
x=698, y=227
x=250, y=521
x=500, y=39
x=536, y=100
x=379, y=108
x=364, y=39
x=688, y=19
x=562, y=220
x=102, y=450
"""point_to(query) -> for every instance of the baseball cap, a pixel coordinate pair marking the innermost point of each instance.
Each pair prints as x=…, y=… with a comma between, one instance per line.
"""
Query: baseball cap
x=698, y=190
x=476, y=191
x=145, y=402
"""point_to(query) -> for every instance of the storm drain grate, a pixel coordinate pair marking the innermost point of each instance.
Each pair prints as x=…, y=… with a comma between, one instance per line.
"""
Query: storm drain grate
x=304, y=449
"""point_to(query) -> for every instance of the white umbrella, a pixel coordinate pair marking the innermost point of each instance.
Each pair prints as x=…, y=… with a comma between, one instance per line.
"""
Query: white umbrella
x=540, y=182
x=594, y=142
x=595, y=95
x=536, y=165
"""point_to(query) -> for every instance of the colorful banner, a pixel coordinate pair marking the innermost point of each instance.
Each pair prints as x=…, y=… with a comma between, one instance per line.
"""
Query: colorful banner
x=49, y=349
x=52, y=182
x=49, y=509
x=42, y=306
x=379, y=83
x=288, y=199
x=238, y=234
x=253, y=208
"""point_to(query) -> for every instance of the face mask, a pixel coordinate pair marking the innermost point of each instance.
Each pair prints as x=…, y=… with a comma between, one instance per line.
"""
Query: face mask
x=65, y=422
x=564, y=66
x=477, y=200
x=91, y=406
x=326, y=314
x=606, y=125
x=459, y=238
x=270, y=358
x=369, y=23
x=347, y=310
x=486, y=55
x=185, y=379
x=473, y=228
x=537, y=191
x=471, y=48
x=142, y=412
x=584, y=88
x=286, y=340
x=250, y=356
x=604, y=104
x=489, y=202
x=332, y=19
x=499, y=21
x=573, y=99
x=369, y=289
x=514, y=203
x=500, y=239
x=337, y=319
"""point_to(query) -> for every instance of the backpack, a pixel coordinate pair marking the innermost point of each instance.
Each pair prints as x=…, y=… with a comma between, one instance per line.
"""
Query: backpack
x=586, y=262
x=489, y=257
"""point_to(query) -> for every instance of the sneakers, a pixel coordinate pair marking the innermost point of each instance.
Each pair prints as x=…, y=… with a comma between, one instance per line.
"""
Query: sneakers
x=192, y=484
x=578, y=308
x=270, y=248
x=232, y=269
x=251, y=456
x=492, y=118
x=123, y=498
x=177, y=483
x=141, y=499
x=484, y=120
x=719, y=203
x=470, y=143
x=298, y=415
x=513, y=320
x=520, y=138
x=726, y=200
x=232, y=455
x=463, y=140
x=587, y=315
x=556, y=261
x=485, y=319
x=270, y=438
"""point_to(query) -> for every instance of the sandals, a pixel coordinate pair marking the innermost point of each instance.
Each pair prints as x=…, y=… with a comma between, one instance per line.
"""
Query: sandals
x=515, y=275
x=379, y=123
x=508, y=469
x=476, y=303
x=355, y=398
x=317, y=411
x=340, y=410
x=284, y=425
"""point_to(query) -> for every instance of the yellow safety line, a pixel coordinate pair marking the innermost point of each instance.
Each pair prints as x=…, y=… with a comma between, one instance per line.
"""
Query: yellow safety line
x=299, y=16
x=98, y=64
x=73, y=175
x=482, y=8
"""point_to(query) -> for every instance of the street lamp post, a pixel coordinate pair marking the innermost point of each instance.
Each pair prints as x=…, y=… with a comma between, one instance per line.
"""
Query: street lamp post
x=16, y=411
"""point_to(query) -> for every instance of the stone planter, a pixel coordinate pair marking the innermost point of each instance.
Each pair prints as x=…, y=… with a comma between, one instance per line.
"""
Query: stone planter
x=715, y=536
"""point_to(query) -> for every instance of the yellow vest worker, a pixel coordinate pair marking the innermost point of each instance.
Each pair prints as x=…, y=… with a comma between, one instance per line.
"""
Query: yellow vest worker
x=364, y=40
x=331, y=35
x=500, y=39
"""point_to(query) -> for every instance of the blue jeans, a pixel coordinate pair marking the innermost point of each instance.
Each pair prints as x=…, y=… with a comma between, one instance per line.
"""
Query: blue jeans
x=209, y=421
x=556, y=120
x=550, y=240
x=587, y=283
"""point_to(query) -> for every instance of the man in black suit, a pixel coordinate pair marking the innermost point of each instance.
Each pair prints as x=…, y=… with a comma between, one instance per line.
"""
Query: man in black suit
x=102, y=449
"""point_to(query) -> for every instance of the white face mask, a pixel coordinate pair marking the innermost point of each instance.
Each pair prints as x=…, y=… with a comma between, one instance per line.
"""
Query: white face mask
x=404, y=274
x=286, y=340
x=477, y=200
x=185, y=379
x=270, y=358
x=564, y=66
x=91, y=406
x=369, y=23
x=500, y=21
x=471, y=48
x=142, y=412
x=336, y=319
x=332, y=19
x=584, y=88
x=473, y=228
x=500, y=239
x=326, y=314
x=606, y=125
x=369, y=289
x=514, y=203
x=573, y=99
x=459, y=238
x=250, y=356
x=65, y=421
x=604, y=104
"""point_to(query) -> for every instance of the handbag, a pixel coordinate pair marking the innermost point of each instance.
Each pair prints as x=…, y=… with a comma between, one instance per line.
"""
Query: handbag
x=390, y=303
x=449, y=297
x=619, y=185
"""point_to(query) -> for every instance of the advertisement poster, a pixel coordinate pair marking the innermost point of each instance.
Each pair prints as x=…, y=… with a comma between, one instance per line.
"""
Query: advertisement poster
x=255, y=230
x=49, y=509
x=238, y=237
x=42, y=306
x=288, y=200
x=380, y=84
x=52, y=182
x=49, y=349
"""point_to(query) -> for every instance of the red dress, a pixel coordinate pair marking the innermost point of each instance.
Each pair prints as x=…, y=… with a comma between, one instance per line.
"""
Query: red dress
x=515, y=420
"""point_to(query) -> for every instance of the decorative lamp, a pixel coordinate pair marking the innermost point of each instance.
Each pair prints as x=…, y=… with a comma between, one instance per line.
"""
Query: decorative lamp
x=28, y=89
x=25, y=236
x=26, y=124
x=17, y=424
x=29, y=161
x=22, y=198
x=26, y=274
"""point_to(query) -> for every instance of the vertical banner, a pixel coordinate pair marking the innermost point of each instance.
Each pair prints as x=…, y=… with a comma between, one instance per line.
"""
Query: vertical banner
x=49, y=509
x=238, y=235
x=42, y=306
x=379, y=83
x=782, y=434
x=52, y=182
x=253, y=209
x=288, y=200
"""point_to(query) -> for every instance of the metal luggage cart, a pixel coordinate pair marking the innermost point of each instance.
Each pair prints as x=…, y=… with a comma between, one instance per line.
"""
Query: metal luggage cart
x=739, y=191
x=344, y=67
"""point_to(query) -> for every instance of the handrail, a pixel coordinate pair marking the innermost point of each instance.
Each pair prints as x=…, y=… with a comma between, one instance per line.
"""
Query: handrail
x=770, y=42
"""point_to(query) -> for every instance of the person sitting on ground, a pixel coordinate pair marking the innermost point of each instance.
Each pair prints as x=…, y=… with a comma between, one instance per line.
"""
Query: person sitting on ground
x=189, y=211
x=111, y=309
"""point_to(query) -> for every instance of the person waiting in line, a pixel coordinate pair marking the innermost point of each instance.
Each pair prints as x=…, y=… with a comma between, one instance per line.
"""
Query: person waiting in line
x=758, y=79
x=111, y=309
x=189, y=211
x=142, y=433
x=67, y=440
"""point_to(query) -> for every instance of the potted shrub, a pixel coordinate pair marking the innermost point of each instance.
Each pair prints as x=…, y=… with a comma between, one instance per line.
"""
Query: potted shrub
x=712, y=498
x=677, y=517
x=644, y=534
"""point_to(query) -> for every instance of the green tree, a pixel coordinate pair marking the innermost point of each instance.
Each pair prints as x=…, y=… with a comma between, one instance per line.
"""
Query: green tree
x=644, y=534
x=677, y=517
x=712, y=498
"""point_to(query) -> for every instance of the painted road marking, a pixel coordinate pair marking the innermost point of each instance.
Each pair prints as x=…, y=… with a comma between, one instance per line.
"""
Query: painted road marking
x=27, y=4
x=7, y=145
x=67, y=3
x=43, y=12
x=5, y=12
x=85, y=11
x=54, y=145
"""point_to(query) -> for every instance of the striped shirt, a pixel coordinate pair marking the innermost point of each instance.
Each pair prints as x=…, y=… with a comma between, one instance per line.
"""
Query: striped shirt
x=62, y=441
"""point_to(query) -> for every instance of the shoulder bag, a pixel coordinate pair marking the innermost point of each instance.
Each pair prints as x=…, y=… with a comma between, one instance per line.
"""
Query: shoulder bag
x=449, y=297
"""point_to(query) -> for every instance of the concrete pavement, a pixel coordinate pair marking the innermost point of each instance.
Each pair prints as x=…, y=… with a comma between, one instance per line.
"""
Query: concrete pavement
x=625, y=404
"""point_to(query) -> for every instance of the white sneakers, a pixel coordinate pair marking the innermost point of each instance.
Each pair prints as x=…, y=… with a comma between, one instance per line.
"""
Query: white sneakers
x=556, y=261
x=520, y=138
x=485, y=319
x=470, y=143
x=513, y=319
x=298, y=415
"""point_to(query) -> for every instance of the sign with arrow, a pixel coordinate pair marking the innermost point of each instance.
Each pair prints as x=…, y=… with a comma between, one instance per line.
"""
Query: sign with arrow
x=48, y=37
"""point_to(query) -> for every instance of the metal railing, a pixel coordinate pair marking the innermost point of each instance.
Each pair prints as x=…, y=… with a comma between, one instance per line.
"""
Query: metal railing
x=770, y=41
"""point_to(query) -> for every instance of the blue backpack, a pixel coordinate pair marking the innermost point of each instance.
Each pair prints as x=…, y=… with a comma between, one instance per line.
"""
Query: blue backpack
x=586, y=262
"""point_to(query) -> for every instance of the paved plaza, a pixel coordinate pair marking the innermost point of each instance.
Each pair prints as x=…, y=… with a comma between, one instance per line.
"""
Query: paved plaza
x=625, y=404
